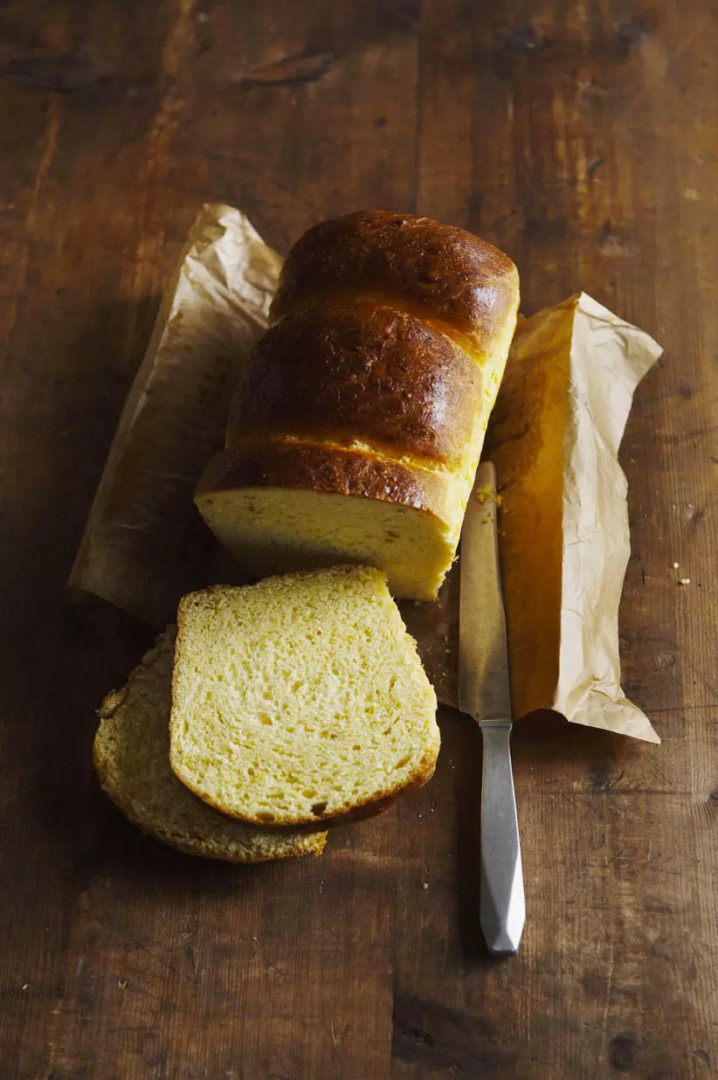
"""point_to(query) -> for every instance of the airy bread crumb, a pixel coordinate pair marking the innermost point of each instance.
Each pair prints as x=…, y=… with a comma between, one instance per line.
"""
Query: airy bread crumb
x=300, y=700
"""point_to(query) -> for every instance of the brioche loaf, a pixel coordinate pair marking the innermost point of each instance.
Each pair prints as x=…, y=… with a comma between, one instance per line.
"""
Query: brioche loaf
x=131, y=754
x=300, y=700
x=356, y=432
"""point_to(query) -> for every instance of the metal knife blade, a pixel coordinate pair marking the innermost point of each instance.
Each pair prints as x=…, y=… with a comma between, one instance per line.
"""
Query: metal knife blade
x=484, y=693
x=484, y=687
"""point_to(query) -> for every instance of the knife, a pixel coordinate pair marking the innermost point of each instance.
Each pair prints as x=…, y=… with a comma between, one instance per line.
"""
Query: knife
x=485, y=694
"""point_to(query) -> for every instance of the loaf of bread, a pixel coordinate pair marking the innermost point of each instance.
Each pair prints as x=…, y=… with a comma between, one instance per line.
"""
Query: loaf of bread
x=131, y=754
x=300, y=700
x=356, y=432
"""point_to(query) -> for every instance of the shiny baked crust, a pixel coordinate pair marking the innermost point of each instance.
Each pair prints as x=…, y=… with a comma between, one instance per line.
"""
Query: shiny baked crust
x=375, y=381
x=354, y=371
x=448, y=274
x=334, y=470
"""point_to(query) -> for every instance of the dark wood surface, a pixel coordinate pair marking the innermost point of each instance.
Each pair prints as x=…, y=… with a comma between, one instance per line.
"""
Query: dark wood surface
x=582, y=138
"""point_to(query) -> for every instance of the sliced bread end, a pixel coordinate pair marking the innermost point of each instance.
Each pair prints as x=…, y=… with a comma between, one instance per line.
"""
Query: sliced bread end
x=131, y=757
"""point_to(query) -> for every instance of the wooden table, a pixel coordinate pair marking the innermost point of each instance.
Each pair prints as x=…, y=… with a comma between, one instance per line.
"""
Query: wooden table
x=581, y=137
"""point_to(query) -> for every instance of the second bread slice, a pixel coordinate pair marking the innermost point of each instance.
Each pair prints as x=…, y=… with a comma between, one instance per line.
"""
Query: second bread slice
x=300, y=700
x=131, y=755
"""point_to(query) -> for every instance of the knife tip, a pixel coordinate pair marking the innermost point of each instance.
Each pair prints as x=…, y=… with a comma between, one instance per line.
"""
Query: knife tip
x=503, y=945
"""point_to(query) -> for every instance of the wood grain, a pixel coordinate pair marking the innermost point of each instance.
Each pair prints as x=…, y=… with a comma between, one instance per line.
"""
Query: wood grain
x=580, y=137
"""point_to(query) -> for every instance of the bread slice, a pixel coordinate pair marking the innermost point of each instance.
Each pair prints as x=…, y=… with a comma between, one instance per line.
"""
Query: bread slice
x=319, y=505
x=131, y=755
x=300, y=700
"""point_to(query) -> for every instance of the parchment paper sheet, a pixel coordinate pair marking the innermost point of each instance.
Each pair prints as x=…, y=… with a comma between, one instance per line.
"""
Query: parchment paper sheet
x=564, y=538
x=144, y=543
x=555, y=434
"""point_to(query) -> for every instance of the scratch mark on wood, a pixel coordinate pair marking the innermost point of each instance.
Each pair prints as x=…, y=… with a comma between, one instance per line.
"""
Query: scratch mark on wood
x=60, y=74
x=43, y=169
x=609, y=983
x=289, y=70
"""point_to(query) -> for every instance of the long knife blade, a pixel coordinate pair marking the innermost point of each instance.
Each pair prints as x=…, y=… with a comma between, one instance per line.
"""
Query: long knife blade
x=484, y=687
x=484, y=693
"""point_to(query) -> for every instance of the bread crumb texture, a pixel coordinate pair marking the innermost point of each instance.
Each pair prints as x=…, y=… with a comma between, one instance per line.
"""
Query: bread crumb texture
x=301, y=699
x=131, y=755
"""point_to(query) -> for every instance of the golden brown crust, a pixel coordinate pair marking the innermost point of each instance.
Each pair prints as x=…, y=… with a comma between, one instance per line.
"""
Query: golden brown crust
x=354, y=370
x=449, y=273
x=111, y=703
x=360, y=811
x=325, y=468
x=196, y=847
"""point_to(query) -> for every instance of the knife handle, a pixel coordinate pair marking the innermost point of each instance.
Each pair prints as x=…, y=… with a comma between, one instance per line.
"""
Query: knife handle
x=503, y=907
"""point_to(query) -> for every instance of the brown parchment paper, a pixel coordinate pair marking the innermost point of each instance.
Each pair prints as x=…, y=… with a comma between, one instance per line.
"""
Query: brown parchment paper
x=554, y=436
x=564, y=536
x=144, y=543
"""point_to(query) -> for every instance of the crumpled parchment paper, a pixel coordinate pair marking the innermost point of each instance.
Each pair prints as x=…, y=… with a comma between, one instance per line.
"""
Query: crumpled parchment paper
x=144, y=543
x=554, y=437
x=564, y=535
